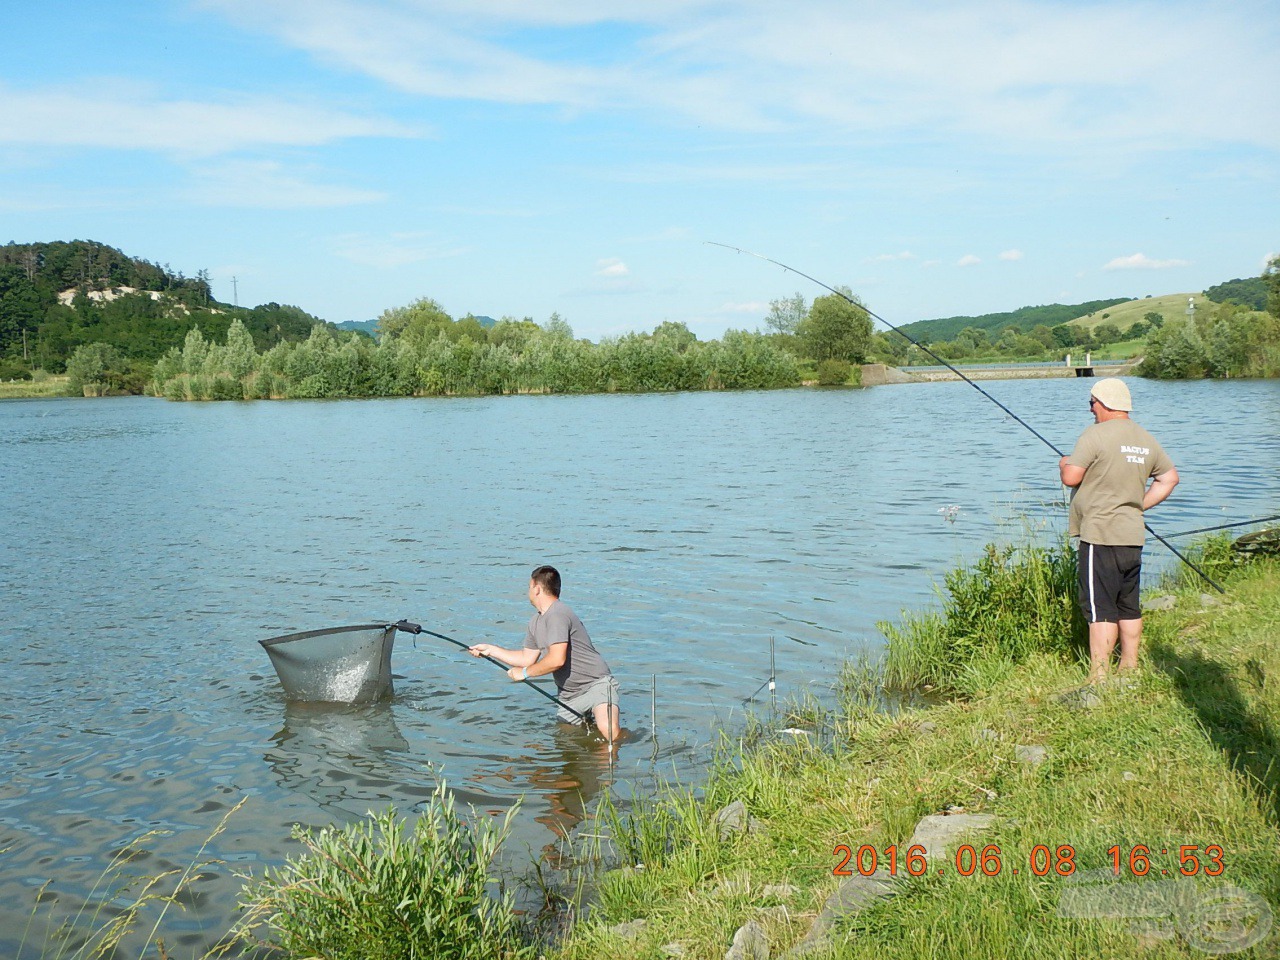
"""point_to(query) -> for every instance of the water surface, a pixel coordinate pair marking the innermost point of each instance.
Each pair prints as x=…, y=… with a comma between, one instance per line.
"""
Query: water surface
x=148, y=546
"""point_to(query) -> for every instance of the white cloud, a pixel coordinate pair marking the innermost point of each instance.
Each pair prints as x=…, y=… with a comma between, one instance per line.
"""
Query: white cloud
x=889, y=257
x=1011, y=255
x=1140, y=261
x=611, y=267
x=265, y=184
x=1130, y=76
x=968, y=260
x=124, y=116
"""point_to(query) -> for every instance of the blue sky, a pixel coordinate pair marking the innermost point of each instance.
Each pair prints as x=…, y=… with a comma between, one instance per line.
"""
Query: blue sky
x=515, y=158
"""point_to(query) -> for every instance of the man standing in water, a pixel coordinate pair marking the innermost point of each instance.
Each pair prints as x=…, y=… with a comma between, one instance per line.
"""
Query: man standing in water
x=557, y=643
x=1109, y=469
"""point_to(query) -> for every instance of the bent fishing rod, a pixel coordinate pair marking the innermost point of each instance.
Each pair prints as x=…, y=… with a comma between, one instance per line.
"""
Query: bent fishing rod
x=910, y=339
x=417, y=628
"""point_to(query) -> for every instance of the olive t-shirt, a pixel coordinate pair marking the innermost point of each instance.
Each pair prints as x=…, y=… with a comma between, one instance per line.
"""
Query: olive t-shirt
x=583, y=664
x=1118, y=458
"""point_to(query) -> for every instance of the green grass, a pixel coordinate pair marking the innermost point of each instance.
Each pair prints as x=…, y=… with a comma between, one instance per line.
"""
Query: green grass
x=1185, y=754
x=1124, y=315
x=48, y=386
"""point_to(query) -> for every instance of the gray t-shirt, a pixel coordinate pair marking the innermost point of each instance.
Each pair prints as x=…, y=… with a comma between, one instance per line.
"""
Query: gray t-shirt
x=1118, y=458
x=583, y=664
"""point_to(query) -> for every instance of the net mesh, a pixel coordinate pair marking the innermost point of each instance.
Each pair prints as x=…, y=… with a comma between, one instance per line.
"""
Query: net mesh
x=339, y=665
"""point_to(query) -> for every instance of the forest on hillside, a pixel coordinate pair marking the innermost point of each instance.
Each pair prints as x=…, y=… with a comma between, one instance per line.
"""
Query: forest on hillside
x=138, y=308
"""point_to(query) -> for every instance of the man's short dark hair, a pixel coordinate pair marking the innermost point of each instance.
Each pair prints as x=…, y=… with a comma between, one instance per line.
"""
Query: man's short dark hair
x=549, y=579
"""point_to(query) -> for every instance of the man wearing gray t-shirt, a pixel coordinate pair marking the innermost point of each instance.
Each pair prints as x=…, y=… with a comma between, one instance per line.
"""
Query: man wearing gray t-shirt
x=557, y=643
x=1110, y=468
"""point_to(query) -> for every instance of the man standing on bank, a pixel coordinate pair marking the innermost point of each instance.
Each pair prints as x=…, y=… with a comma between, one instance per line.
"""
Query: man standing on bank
x=557, y=643
x=1109, y=469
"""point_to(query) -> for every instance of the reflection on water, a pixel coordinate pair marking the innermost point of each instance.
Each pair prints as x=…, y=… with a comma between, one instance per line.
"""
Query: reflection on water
x=151, y=545
x=341, y=756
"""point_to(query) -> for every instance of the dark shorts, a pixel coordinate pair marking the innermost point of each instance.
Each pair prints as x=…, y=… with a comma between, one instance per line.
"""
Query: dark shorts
x=1110, y=578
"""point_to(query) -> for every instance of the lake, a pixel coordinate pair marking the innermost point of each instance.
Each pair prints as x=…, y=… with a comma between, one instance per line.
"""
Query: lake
x=148, y=546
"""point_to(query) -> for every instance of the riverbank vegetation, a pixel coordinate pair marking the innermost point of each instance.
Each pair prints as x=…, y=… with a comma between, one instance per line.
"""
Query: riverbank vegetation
x=516, y=357
x=1138, y=820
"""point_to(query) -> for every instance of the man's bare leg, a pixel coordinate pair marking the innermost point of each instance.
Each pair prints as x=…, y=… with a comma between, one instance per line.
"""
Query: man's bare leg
x=1102, y=643
x=608, y=720
x=1130, y=637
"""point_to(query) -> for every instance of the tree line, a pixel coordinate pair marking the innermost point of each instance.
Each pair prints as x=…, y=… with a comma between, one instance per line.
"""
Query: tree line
x=449, y=359
x=1225, y=340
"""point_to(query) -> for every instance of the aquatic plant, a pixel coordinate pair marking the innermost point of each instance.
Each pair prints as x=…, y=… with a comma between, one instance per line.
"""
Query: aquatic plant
x=368, y=891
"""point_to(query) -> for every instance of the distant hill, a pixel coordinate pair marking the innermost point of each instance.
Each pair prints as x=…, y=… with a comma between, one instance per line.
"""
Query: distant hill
x=58, y=295
x=1024, y=318
x=1128, y=312
x=1251, y=293
x=366, y=326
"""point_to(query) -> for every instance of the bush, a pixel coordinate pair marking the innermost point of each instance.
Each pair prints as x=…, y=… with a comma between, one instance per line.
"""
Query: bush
x=365, y=892
x=834, y=373
x=1012, y=603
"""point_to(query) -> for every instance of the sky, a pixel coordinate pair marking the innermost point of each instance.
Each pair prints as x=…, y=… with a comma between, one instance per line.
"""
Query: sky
x=509, y=158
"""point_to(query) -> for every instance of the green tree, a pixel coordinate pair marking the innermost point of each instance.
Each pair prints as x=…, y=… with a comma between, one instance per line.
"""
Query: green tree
x=1271, y=277
x=1106, y=333
x=557, y=327
x=675, y=335
x=94, y=369
x=836, y=329
x=786, y=314
x=418, y=322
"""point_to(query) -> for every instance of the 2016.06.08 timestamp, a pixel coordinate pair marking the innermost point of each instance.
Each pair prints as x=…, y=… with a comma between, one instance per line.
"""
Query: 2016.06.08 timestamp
x=1042, y=861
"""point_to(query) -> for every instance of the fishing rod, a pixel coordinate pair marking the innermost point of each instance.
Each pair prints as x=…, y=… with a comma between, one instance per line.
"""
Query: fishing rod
x=1224, y=526
x=417, y=628
x=949, y=366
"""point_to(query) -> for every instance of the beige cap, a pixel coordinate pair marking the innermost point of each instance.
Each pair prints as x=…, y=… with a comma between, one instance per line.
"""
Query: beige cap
x=1113, y=394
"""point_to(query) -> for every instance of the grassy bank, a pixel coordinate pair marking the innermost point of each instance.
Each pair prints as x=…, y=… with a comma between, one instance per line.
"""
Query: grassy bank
x=1185, y=754
x=48, y=385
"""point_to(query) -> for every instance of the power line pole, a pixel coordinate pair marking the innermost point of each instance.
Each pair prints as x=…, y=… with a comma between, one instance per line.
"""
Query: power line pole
x=235, y=291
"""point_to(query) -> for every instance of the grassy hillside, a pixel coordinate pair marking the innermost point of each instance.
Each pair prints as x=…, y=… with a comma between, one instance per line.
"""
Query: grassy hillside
x=1171, y=306
x=1024, y=318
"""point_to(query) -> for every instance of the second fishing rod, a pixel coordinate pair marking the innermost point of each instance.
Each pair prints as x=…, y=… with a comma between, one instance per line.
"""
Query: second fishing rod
x=958, y=373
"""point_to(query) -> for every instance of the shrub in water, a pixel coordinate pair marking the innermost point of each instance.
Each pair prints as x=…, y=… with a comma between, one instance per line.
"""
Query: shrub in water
x=367, y=892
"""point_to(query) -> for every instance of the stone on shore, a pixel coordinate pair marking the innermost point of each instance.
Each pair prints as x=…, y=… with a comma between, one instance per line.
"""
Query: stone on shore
x=749, y=943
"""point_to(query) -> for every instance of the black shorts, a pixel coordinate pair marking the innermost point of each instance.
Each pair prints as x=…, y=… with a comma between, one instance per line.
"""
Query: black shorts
x=1110, y=578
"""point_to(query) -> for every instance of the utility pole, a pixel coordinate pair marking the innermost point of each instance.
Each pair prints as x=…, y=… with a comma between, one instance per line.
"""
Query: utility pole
x=235, y=291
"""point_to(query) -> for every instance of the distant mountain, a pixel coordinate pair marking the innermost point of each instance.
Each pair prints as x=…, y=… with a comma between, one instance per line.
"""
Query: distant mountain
x=1024, y=318
x=367, y=326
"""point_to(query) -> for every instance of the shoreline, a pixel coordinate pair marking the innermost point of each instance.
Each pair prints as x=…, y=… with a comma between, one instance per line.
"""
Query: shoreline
x=1042, y=814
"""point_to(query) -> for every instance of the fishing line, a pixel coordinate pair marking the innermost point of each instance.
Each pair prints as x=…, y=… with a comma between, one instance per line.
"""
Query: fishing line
x=921, y=346
x=416, y=629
